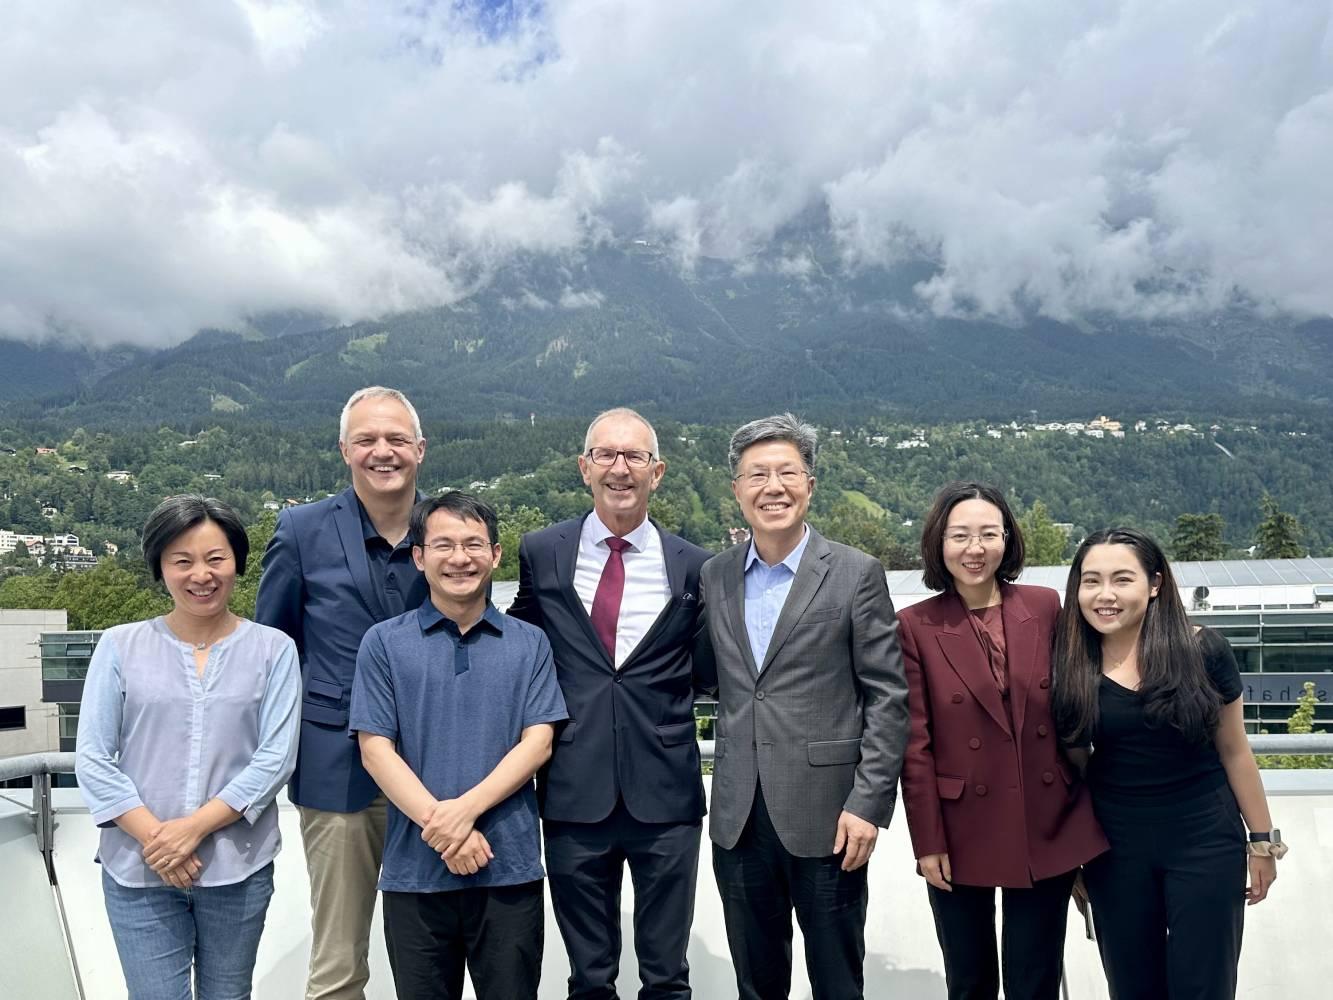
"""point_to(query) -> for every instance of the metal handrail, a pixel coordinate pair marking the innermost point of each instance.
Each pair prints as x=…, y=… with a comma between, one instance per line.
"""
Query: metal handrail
x=30, y=765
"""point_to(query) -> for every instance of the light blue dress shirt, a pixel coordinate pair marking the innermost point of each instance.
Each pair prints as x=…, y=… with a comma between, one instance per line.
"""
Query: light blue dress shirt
x=766, y=590
x=153, y=733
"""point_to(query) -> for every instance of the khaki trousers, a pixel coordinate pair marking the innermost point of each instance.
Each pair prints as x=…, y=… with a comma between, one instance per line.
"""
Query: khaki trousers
x=342, y=855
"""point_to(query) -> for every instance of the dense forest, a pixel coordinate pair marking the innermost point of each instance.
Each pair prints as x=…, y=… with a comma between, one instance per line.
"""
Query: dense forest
x=870, y=492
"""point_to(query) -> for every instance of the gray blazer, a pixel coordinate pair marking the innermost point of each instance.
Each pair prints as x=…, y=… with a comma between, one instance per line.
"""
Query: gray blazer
x=823, y=723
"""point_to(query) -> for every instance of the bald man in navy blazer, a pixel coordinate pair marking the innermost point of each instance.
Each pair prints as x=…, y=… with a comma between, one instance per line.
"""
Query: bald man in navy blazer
x=623, y=785
x=333, y=569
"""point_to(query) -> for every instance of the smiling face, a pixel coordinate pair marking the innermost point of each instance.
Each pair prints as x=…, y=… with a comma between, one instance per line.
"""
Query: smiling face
x=773, y=488
x=1114, y=590
x=199, y=570
x=973, y=560
x=382, y=449
x=457, y=559
x=620, y=492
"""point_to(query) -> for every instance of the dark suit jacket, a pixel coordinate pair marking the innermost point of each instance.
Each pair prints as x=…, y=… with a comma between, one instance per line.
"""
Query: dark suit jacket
x=1003, y=817
x=631, y=732
x=822, y=722
x=317, y=588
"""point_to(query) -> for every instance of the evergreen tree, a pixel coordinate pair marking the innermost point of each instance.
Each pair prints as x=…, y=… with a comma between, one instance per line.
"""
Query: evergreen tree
x=1279, y=533
x=1198, y=538
x=1044, y=542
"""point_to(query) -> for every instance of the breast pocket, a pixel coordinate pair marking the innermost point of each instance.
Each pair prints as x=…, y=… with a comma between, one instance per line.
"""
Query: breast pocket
x=816, y=616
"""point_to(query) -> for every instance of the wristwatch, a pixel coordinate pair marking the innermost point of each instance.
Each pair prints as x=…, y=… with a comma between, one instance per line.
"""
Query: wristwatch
x=1267, y=844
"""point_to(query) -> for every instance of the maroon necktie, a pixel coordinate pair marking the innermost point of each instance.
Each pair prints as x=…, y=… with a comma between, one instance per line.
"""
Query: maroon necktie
x=606, y=602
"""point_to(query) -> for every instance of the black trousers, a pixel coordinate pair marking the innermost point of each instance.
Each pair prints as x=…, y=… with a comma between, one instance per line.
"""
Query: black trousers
x=585, y=864
x=1032, y=939
x=760, y=884
x=1168, y=898
x=495, y=931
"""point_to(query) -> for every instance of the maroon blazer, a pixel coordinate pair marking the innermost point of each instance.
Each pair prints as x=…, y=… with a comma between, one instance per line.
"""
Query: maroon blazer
x=997, y=796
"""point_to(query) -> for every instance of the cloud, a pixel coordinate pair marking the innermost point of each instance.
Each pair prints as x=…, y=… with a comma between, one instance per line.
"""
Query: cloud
x=166, y=168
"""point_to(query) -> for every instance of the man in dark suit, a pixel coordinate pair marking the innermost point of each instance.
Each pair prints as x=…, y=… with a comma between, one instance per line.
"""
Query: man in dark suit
x=812, y=724
x=333, y=569
x=619, y=601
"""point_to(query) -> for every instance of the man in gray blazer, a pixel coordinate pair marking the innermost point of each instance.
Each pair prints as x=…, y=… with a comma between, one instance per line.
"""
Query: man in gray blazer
x=812, y=724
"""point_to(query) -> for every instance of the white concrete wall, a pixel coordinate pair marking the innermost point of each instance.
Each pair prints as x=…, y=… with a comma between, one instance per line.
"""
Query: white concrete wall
x=21, y=680
x=1286, y=948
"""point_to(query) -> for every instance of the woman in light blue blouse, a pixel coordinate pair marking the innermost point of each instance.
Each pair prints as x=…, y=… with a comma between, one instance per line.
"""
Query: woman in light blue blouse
x=186, y=733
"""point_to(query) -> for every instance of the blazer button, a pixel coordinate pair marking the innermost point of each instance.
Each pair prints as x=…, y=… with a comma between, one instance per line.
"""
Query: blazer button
x=982, y=790
x=759, y=695
x=1047, y=777
x=1045, y=682
x=957, y=698
x=1042, y=730
x=620, y=678
x=974, y=743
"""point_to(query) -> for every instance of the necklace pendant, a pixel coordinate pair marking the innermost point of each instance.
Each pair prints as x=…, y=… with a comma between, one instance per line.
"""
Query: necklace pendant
x=201, y=646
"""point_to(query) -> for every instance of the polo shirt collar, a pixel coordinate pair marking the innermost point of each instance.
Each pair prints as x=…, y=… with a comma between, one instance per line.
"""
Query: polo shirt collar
x=429, y=616
x=599, y=532
x=793, y=560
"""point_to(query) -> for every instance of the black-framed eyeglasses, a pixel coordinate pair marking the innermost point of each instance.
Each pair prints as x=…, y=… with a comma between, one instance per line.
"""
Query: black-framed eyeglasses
x=635, y=458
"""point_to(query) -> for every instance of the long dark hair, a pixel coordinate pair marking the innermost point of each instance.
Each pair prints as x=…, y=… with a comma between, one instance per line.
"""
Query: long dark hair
x=934, y=573
x=1172, y=678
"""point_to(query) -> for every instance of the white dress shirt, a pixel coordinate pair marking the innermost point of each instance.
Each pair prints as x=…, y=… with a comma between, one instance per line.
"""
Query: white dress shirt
x=647, y=590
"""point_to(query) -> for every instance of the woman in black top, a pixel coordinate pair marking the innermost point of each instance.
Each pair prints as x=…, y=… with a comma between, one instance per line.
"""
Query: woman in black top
x=1171, y=774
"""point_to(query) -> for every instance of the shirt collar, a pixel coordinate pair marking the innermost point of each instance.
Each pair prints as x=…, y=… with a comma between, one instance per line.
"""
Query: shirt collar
x=598, y=532
x=367, y=526
x=793, y=560
x=429, y=616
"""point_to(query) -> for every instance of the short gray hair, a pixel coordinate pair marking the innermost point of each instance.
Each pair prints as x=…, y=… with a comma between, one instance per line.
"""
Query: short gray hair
x=377, y=392
x=621, y=411
x=782, y=427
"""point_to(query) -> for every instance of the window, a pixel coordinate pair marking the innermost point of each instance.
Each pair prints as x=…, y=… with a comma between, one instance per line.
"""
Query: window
x=13, y=717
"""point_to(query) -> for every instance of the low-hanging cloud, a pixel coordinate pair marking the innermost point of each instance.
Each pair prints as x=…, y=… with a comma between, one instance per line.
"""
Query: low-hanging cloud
x=169, y=167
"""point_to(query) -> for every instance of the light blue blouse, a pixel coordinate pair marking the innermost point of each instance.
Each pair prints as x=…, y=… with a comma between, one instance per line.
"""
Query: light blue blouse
x=153, y=733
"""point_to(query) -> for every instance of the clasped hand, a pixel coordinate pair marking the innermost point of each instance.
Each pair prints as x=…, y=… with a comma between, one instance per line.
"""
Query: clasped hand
x=450, y=831
x=170, y=851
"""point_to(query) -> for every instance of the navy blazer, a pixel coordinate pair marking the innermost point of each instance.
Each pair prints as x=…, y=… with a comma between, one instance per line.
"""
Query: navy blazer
x=317, y=588
x=631, y=732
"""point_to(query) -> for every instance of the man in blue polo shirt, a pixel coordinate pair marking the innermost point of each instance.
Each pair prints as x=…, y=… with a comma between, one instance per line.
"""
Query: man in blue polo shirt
x=454, y=706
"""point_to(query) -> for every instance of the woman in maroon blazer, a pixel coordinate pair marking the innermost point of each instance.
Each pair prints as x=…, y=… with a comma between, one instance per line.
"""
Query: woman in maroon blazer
x=991, y=801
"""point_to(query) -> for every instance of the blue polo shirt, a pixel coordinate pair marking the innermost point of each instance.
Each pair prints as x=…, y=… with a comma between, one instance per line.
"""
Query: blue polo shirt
x=455, y=705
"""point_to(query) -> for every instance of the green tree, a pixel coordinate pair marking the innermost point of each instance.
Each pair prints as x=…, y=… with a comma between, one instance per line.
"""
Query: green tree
x=860, y=528
x=1301, y=723
x=515, y=522
x=1279, y=533
x=247, y=587
x=1044, y=542
x=1198, y=538
x=106, y=595
x=34, y=591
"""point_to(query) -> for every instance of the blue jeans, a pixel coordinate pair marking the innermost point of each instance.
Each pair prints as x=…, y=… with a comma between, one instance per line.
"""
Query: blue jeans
x=162, y=934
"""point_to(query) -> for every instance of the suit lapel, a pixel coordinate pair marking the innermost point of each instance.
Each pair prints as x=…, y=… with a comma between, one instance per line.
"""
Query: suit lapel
x=968, y=659
x=1021, y=636
x=810, y=574
x=734, y=603
x=347, y=518
x=566, y=558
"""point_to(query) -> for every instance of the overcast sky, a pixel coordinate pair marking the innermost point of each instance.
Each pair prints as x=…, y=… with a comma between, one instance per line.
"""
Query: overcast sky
x=169, y=166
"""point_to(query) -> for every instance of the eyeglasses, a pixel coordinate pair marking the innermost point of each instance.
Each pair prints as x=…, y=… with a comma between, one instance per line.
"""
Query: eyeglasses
x=989, y=538
x=635, y=458
x=473, y=547
x=758, y=478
